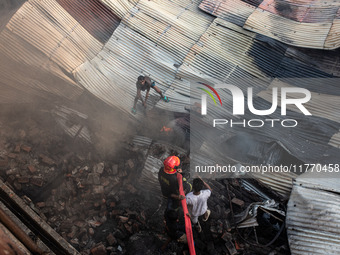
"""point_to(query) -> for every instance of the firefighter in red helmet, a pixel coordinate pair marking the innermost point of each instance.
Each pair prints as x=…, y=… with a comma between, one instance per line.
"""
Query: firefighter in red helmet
x=168, y=180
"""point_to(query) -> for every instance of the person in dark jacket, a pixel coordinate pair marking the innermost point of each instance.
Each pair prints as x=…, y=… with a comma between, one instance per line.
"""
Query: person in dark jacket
x=167, y=177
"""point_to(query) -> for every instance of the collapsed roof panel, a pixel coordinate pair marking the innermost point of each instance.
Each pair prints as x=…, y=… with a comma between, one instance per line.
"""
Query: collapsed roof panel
x=308, y=24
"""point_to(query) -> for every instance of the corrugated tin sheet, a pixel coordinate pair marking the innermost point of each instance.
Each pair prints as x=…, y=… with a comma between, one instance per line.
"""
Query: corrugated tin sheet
x=281, y=182
x=168, y=25
x=7, y=10
x=335, y=140
x=32, y=81
x=313, y=215
x=234, y=11
x=42, y=35
x=326, y=61
x=321, y=105
x=112, y=75
x=306, y=11
x=120, y=7
x=72, y=122
x=153, y=39
x=307, y=35
x=94, y=16
x=149, y=175
x=309, y=24
x=10, y=95
x=49, y=28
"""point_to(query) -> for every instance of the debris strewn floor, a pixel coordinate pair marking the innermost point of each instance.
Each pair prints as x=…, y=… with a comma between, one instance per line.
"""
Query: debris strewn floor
x=100, y=204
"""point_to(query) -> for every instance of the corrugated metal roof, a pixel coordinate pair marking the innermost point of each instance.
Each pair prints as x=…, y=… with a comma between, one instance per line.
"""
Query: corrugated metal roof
x=313, y=214
x=65, y=117
x=41, y=79
x=168, y=25
x=335, y=140
x=149, y=175
x=49, y=28
x=235, y=11
x=175, y=44
x=281, y=182
x=8, y=9
x=166, y=32
x=321, y=105
x=41, y=31
x=307, y=35
x=94, y=16
x=306, y=11
x=309, y=24
x=120, y=7
x=326, y=61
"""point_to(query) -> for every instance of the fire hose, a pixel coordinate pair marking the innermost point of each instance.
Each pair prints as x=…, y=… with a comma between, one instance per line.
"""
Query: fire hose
x=188, y=229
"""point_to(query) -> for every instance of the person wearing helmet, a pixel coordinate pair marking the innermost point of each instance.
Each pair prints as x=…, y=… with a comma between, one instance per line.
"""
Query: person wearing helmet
x=168, y=180
x=144, y=83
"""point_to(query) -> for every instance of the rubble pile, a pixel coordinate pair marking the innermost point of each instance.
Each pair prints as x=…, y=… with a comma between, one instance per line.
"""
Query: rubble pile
x=76, y=197
x=101, y=205
x=91, y=201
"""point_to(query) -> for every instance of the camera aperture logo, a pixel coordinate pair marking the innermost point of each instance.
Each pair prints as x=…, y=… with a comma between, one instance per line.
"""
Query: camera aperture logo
x=238, y=105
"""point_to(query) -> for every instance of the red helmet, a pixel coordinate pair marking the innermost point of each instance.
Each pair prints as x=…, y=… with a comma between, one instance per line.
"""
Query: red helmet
x=170, y=163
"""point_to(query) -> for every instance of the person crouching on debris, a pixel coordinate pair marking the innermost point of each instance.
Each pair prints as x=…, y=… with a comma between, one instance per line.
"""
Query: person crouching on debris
x=173, y=227
x=197, y=202
x=167, y=177
x=144, y=83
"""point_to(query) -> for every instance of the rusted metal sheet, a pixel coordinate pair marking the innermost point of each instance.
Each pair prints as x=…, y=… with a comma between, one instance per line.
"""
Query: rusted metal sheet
x=9, y=244
x=309, y=24
x=26, y=214
x=308, y=11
